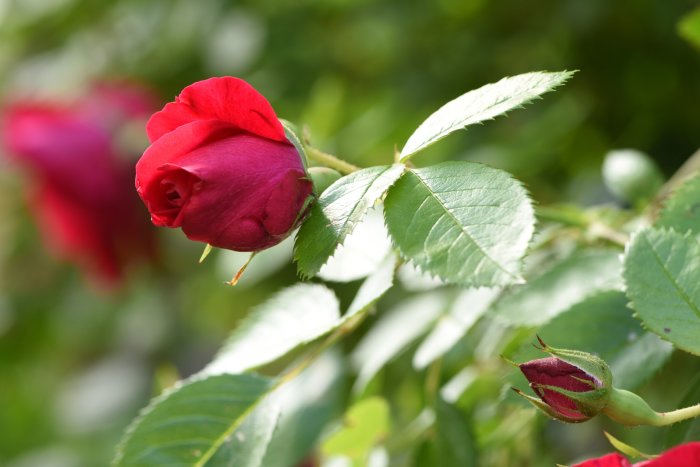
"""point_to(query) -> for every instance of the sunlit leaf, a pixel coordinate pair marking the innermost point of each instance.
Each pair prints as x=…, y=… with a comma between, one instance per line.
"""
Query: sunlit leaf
x=464, y=311
x=188, y=424
x=365, y=424
x=464, y=222
x=482, y=104
x=393, y=332
x=293, y=317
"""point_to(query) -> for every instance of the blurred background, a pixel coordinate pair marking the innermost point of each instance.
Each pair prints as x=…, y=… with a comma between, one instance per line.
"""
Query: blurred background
x=83, y=348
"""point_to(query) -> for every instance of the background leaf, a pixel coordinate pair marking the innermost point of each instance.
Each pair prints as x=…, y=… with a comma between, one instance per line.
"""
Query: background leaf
x=294, y=316
x=362, y=251
x=467, y=223
x=464, y=311
x=339, y=209
x=481, y=104
x=661, y=271
x=307, y=404
x=682, y=209
x=605, y=326
x=556, y=290
x=189, y=423
x=366, y=423
x=393, y=332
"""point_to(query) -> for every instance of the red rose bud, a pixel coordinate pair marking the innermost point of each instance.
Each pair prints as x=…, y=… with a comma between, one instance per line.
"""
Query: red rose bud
x=79, y=189
x=221, y=168
x=572, y=386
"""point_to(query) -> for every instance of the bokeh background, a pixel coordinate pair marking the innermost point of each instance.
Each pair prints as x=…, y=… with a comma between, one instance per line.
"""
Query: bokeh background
x=78, y=359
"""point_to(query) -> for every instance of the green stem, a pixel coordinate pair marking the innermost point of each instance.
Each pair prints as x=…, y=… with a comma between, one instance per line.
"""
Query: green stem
x=330, y=161
x=629, y=409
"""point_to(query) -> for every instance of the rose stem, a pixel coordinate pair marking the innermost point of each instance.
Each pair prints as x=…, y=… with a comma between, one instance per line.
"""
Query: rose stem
x=330, y=161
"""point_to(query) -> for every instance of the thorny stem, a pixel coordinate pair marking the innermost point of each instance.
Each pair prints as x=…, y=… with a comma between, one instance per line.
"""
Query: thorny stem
x=330, y=161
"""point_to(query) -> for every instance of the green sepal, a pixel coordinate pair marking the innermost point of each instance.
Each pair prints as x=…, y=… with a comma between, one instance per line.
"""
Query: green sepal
x=546, y=409
x=589, y=363
x=292, y=134
x=589, y=403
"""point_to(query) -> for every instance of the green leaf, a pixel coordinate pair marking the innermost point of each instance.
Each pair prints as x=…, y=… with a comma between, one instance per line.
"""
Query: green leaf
x=661, y=271
x=466, y=309
x=188, y=424
x=464, y=222
x=454, y=442
x=689, y=27
x=556, y=290
x=482, y=104
x=365, y=424
x=247, y=446
x=682, y=209
x=362, y=252
x=293, y=317
x=393, y=332
x=307, y=403
x=605, y=327
x=339, y=209
x=373, y=288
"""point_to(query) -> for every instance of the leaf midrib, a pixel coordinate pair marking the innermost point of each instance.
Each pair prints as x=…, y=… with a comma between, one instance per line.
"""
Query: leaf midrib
x=461, y=228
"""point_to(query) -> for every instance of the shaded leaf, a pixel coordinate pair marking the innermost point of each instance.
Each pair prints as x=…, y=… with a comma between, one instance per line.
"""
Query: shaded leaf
x=467, y=223
x=661, y=271
x=682, y=209
x=556, y=290
x=482, y=104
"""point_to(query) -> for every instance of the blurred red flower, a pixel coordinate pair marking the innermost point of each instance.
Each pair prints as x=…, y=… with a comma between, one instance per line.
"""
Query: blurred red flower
x=81, y=181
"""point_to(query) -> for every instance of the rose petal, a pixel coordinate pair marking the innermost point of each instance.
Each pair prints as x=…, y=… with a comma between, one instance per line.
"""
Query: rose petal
x=226, y=99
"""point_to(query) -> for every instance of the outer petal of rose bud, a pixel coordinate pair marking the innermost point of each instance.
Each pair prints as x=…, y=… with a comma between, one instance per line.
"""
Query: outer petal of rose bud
x=609, y=460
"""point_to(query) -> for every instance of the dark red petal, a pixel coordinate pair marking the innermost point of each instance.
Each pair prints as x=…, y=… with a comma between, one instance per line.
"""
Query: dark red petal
x=552, y=371
x=239, y=205
x=226, y=99
x=609, y=460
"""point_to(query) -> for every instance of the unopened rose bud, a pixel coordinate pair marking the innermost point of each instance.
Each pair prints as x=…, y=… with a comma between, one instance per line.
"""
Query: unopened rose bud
x=553, y=380
x=221, y=168
x=572, y=386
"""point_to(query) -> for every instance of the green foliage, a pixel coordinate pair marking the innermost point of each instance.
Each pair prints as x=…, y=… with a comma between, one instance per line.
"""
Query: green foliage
x=339, y=209
x=481, y=104
x=689, y=27
x=681, y=211
x=393, y=332
x=660, y=271
x=188, y=424
x=555, y=290
x=365, y=424
x=466, y=223
x=631, y=175
x=454, y=444
x=293, y=317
